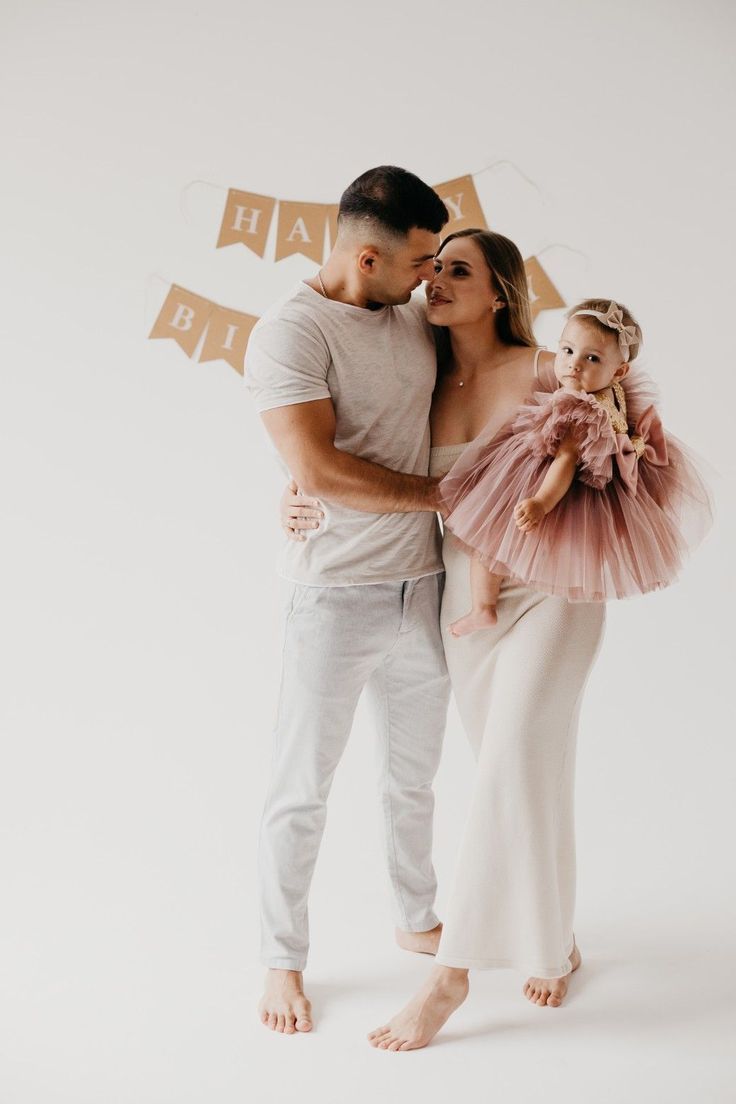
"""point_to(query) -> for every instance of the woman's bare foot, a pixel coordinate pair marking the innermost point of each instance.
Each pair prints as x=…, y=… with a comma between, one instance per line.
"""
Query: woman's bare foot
x=551, y=991
x=424, y=942
x=418, y=1023
x=283, y=1005
x=481, y=618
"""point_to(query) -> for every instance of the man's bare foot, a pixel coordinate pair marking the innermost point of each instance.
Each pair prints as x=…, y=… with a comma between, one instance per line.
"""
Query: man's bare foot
x=551, y=991
x=481, y=618
x=418, y=1023
x=283, y=1005
x=424, y=942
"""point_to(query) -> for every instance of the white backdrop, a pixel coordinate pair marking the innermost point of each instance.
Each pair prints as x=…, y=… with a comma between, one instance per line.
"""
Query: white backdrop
x=139, y=602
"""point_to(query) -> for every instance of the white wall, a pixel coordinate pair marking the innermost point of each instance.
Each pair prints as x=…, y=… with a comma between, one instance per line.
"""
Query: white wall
x=139, y=604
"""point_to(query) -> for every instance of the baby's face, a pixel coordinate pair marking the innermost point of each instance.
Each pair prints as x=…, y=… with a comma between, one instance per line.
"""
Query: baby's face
x=588, y=360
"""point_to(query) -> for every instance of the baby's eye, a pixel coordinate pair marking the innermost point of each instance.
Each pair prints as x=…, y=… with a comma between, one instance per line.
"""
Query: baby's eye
x=592, y=357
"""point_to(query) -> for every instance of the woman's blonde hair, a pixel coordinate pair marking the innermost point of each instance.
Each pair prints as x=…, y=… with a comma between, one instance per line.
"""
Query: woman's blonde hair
x=602, y=305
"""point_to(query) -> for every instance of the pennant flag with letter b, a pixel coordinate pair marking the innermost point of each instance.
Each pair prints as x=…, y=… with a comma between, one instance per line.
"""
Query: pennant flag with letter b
x=183, y=317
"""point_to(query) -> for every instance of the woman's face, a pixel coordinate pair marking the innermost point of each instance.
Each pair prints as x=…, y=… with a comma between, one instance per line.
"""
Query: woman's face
x=461, y=291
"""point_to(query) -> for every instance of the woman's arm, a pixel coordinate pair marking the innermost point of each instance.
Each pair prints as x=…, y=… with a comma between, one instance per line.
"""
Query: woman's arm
x=555, y=485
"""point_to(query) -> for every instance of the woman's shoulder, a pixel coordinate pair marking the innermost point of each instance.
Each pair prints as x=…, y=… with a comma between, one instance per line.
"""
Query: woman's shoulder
x=545, y=373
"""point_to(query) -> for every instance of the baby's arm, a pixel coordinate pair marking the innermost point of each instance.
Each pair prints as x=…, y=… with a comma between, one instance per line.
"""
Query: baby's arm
x=555, y=485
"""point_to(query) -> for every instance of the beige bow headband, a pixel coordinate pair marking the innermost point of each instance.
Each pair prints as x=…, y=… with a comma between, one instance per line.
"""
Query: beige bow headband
x=614, y=318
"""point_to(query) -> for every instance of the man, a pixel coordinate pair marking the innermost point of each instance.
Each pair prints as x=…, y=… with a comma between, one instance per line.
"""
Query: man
x=342, y=371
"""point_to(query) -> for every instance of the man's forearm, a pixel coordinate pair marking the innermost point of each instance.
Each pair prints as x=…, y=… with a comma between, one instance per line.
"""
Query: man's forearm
x=362, y=485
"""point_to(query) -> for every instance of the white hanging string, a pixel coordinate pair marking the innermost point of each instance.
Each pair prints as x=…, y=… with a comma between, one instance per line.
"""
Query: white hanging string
x=515, y=167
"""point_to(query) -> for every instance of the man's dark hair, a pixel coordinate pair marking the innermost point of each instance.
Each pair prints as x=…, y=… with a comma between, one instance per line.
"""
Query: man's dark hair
x=394, y=198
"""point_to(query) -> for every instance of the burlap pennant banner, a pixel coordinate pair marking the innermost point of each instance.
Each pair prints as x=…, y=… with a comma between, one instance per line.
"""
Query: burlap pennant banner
x=227, y=336
x=247, y=219
x=461, y=200
x=543, y=295
x=301, y=226
x=301, y=229
x=184, y=317
x=332, y=213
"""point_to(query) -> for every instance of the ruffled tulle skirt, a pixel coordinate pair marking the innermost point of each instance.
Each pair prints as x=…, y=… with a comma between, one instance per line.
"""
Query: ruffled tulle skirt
x=596, y=544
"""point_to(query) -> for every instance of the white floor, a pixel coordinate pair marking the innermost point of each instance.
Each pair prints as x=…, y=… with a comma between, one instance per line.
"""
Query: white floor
x=650, y=1018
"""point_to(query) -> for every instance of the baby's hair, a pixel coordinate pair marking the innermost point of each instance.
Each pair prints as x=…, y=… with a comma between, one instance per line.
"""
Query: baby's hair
x=603, y=305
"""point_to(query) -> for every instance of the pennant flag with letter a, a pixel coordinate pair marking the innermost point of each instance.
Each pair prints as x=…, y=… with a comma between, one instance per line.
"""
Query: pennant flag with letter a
x=301, y=229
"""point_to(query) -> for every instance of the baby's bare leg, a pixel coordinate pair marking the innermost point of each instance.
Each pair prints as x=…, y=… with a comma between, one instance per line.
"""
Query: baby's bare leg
x=484, y=587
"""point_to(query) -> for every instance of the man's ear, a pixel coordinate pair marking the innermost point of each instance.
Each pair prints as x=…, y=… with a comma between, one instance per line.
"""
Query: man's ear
x=367, y=260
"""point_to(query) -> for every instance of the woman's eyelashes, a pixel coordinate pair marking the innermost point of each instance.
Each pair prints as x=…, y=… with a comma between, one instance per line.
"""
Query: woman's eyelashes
x=454, y=271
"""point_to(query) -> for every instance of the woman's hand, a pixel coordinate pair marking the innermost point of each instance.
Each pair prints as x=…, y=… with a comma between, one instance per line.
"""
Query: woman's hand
x=298, y=513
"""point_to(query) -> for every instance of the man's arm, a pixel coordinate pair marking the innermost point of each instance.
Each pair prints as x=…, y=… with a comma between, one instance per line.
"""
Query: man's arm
x=304, y=435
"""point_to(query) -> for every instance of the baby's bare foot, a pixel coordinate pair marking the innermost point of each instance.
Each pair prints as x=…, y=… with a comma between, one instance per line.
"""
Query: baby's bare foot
x=424, y=942
x=418, y=1023
x=551, y=991
x=283, y=1005
x=481, y=618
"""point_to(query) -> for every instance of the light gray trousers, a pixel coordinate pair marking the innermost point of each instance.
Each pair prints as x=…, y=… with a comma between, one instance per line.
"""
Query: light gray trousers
x=384, y=638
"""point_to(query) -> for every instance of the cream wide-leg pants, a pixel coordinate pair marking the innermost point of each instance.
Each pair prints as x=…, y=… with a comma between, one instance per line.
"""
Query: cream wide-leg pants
x=338, y=641
x=518, y=688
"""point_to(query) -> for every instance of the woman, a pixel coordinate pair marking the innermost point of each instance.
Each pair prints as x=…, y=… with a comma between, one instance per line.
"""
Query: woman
x=518, y=685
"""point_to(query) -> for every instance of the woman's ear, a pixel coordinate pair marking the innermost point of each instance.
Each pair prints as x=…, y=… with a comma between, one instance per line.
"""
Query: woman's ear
x=497, y=304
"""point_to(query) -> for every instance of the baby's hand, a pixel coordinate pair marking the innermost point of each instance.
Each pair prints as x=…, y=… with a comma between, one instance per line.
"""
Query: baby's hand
x=528, y=513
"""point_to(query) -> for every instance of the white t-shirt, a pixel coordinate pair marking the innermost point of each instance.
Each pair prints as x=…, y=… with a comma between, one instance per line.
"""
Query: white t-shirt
x=378, y=367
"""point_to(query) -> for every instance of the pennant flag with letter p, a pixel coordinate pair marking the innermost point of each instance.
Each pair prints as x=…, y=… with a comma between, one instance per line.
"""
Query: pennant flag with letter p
x=301, y=229
x=227, y=336
x=247, y=219
x=543, y=295
x=461, y=200
x=183, y=317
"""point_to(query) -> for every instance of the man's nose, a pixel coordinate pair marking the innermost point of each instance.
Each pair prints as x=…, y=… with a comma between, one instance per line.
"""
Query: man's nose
x=427, y=271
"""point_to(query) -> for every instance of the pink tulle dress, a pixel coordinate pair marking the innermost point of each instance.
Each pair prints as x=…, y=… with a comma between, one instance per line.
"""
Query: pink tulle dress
x=636, y=505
